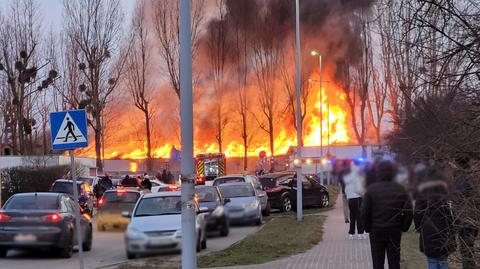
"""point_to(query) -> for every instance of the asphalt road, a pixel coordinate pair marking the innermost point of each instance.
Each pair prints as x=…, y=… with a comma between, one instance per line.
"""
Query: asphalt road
x=108, y=249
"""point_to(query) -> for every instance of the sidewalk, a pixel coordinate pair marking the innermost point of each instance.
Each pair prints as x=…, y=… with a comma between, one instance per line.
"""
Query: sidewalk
x=335, y=251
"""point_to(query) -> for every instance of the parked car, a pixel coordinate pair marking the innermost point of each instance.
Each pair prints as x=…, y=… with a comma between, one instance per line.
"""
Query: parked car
x=156, y=222
x=111, y=206
x=210, y=197
x=260, y=192
x=42, y=220
x=244, y=206
x=281, y=188
x=84, y=191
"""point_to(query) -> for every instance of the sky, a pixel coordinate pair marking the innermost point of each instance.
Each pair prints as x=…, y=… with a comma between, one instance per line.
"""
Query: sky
x=51, y=11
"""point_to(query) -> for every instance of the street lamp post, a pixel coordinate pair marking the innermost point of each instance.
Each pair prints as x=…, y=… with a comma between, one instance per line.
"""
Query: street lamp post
x=299, y=114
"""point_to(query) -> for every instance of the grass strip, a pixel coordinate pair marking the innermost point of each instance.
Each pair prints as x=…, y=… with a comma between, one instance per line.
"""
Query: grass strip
x=280, y=237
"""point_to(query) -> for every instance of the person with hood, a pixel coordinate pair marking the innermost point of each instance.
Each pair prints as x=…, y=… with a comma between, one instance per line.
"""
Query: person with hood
x=434, y=220
x=343, y=171
x=386, y=213
x=354, y=191
x=104, y=183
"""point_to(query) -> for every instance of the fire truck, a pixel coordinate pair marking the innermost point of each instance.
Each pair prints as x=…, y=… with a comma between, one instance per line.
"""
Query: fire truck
x=208, y=166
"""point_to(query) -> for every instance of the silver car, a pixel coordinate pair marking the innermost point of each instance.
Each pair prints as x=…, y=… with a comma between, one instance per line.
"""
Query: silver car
x=244, y=206
x=260, y=192
x=155, y=225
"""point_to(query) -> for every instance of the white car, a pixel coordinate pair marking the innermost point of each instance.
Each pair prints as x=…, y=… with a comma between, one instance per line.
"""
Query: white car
x=156, y=222
x=259, y=191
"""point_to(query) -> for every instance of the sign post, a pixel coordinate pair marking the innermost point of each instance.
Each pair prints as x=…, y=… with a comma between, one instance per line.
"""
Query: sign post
x=69, y=131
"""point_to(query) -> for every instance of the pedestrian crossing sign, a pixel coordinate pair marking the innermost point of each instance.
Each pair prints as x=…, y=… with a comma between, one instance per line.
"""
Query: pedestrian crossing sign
x=69, y=129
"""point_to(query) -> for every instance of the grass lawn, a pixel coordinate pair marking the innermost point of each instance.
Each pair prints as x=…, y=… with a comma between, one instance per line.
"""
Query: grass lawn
x=280, y=237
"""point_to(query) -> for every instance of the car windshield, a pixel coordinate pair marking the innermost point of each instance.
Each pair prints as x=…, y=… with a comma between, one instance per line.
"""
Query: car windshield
x=219, y=181
x=232, y=191
x=165, y=205
x=65, y=187
x=207, y=194
x=32, y=202
x=121, y=197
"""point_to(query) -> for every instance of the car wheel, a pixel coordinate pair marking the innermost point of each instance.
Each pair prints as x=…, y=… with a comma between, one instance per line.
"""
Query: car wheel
x=3, y=252
x=204, y=243
x=131, y=255
x=324, y=200
x=258, y=222
x=87, y=245
x=286, y=204
x=225, y=230
x=266, y=212
x=67, y=250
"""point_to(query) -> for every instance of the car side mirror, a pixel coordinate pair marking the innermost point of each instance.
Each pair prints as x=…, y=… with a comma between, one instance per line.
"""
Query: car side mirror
x=202, y=210
x=226, y=200
x=127, y=214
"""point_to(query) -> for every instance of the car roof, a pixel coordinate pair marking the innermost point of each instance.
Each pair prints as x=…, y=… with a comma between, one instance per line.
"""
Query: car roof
x=235, y=184
x=28, y=194
x=68, y=181
x=234, y=175
x=162, y=194
x=278, y=174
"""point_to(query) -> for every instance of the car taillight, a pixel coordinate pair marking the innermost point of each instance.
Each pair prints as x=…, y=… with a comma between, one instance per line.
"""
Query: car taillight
x=55, y=217
x=172, y=187
x=200, y=180
x=274, y=189
x=101, y=202
x=4, y=217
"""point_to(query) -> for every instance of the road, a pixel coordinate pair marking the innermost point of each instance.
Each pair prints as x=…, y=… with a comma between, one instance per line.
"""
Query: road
x=108, y=249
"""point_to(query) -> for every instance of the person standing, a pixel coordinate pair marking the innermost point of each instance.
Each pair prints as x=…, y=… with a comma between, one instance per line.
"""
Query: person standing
x=343, y=171
x=466, y=200
x=434, y=220
x=164, y=176
x=354, y=190
x=146, y=183
x=386, y=212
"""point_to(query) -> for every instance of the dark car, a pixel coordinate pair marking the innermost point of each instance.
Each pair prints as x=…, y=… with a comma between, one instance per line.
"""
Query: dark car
x=84, y=191
x=210, y=197
x=111, y=206
x=281, y=189
x=42, y=220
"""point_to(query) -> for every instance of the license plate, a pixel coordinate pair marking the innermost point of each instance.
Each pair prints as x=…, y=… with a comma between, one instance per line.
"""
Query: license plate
x=25, y=238
x=160, y=241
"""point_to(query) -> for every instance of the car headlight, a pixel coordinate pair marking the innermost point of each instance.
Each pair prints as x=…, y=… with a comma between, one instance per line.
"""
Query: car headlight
x=178, y=234
x=252, y=205
x=135, y=234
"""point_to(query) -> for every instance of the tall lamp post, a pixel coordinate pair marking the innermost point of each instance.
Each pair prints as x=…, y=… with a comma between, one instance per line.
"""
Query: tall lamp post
x=299, y=113
x=320, y=71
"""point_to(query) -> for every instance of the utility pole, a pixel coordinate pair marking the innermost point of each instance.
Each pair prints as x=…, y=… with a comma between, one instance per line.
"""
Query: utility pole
x=299, y=114
x=189, y=258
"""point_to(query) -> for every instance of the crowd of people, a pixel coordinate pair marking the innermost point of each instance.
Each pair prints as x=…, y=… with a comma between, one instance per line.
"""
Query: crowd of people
x=141, y=181
x=442, y=209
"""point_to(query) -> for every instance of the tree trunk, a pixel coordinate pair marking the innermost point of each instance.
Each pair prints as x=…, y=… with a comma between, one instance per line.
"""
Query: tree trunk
x=21, y=134
x=98, y=142
x=149, y=142
x=219, y=129
x=245, y=142
x=272, y=143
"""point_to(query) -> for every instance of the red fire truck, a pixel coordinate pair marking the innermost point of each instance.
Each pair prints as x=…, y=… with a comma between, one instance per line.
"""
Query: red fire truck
x=209, y=166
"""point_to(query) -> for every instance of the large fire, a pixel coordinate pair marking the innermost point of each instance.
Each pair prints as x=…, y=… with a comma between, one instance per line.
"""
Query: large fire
x=335, y=131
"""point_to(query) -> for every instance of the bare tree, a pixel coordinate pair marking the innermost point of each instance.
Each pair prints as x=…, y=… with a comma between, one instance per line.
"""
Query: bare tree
x=137, y=72
x=167, y=28
x=218, y=49
x=19, y=41
x=95, y=27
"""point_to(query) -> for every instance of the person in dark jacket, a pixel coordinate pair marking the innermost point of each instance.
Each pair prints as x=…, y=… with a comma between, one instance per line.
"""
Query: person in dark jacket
x=104, y=183
x=434, y=220
x=146, y=183
x=128, y=181
x=386, y=212
x=465, y=201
